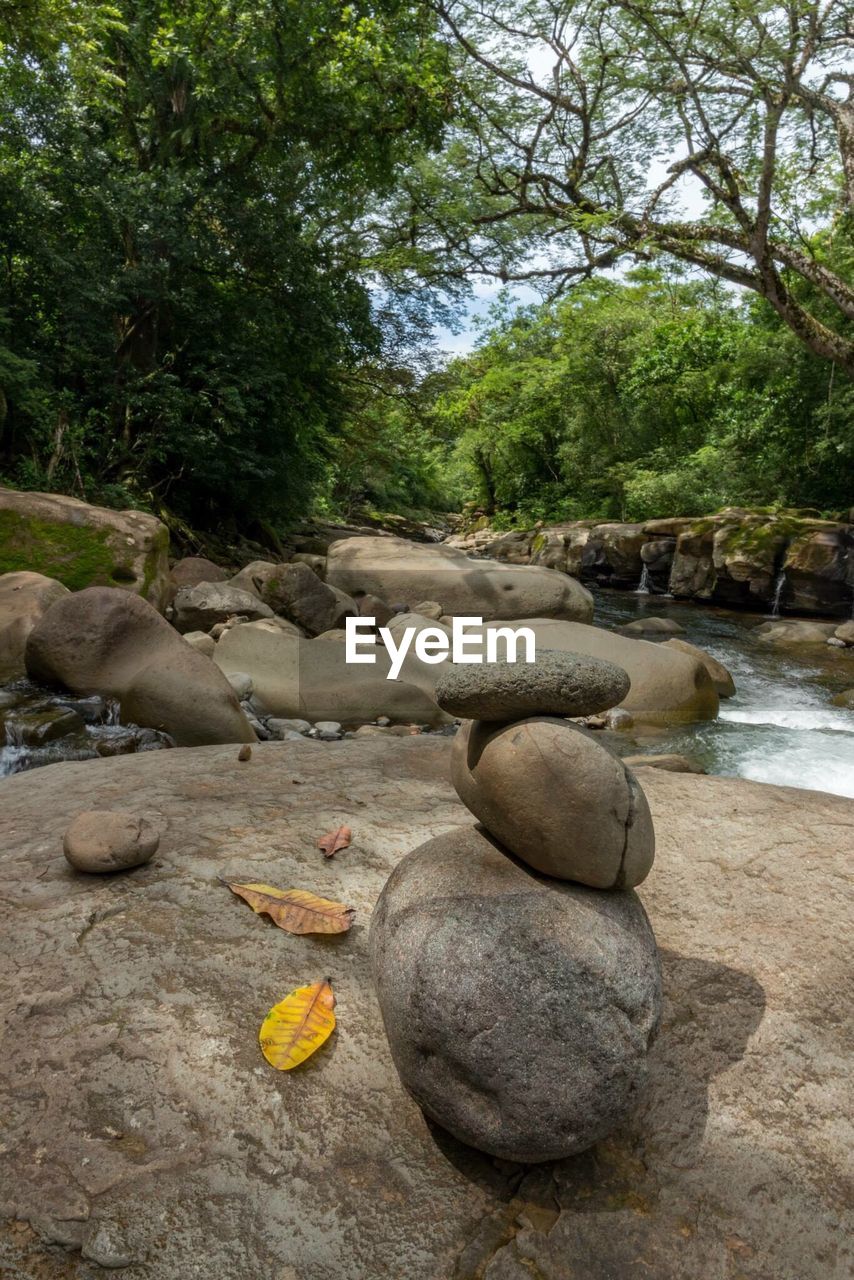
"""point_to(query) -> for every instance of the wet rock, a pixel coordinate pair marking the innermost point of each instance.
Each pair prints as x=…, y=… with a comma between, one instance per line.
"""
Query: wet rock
x=35, y=728
x=718, y=673
x=557, y=683
x=652, y=627
x=794, y=631
x=557, y=798
x=103, y=840
x=844, y=699
x=537, y=1048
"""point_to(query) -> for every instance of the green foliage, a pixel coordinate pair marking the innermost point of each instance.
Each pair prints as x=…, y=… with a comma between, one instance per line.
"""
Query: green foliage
x=646, y=398
x=182, y=290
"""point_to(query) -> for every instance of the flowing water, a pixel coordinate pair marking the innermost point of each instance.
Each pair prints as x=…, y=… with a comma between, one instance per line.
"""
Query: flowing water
x=781, y=726
x=42, y=726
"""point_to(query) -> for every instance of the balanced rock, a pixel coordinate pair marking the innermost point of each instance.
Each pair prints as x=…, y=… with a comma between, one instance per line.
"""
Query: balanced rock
x=564, y=684
x=101, y=840
x=557, y=798
x=518, y=1010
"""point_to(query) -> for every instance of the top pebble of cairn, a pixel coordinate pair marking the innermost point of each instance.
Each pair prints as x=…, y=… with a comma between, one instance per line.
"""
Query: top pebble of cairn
x=557, y=684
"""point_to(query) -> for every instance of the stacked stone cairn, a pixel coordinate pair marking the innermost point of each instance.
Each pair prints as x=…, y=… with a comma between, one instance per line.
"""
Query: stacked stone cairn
x=516, y=969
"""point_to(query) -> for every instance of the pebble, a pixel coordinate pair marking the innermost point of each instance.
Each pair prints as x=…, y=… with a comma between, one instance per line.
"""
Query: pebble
x=557, y=683
x=102, y=840
x=279, y=726
x=241, y=683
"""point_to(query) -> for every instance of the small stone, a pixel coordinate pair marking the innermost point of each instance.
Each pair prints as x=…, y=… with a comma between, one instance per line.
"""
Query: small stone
x=202, y=641
x=279, y=726
x=836, y=643
x=382, y=721
x=327, y=730
x=101, y=840
x=619, y=719
x=557, y=683
x=245, y=752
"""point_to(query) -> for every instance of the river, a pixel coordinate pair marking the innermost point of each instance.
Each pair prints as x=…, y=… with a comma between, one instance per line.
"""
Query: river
x=780, y=727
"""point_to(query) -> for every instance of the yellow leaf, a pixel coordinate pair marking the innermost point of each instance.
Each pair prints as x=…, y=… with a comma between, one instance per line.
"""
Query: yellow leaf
x=296, y=910
x=298, y=1025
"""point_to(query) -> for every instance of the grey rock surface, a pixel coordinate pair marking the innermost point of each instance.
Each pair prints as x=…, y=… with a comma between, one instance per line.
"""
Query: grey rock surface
x=556, y=683
x=652, y=627
x=142, y=1123
x=201, y=607
x=519, y=1010
x=103, y=840
x=558, y=798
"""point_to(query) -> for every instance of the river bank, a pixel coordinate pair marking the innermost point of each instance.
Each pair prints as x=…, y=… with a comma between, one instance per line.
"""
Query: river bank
x=781, y=726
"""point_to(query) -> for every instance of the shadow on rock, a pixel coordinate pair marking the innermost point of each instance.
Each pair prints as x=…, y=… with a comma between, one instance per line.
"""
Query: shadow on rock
x=630, y=1204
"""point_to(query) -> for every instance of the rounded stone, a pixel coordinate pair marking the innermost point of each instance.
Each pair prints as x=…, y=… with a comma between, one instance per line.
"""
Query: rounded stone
x=556, y=683
x=558, y=798
x=518, y=1010
x=101, y=840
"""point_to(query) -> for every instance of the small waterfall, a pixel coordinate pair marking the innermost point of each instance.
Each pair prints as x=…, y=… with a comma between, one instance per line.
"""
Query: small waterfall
x=779, y=587
x=644, y=587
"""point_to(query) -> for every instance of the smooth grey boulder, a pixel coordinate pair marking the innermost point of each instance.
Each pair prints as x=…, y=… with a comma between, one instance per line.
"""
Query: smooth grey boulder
x=556, y=797
x=556, y=683
x=107, y=641
x=104, y=840
x=201, y=607
x=518, y=1010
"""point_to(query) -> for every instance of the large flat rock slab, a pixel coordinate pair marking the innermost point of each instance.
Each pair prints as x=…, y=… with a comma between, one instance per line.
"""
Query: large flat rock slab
x=142, y=1128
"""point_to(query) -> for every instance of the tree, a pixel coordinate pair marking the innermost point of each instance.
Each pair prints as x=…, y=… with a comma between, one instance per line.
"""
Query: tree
x=586, y=122
x=181, y=191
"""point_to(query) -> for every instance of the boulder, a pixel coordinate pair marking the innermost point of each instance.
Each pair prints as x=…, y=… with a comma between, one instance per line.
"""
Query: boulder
x=104, y=840
x=557, y=683
x=295, y=592
x=80, y=545
x=845, y=633
x=657, y=555
x=652, y=627
x=719, y=675
x=201, y=607
x=819, y=569
x=396, y=570
x=519, y=1011
x=368, y=606
x=844, y=699
x=317, y=564
x=793, y=631
x=692, y=572
x=110, y=642
x=24, y=597
x=310, y=679
x=563, y=548
x=613, y=553
x=192, y=570
x=557, y=798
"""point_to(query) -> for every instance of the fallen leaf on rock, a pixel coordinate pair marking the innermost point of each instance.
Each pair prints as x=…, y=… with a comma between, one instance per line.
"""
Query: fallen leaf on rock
x=298, y=1025
x=335, y=840
x=296, y=910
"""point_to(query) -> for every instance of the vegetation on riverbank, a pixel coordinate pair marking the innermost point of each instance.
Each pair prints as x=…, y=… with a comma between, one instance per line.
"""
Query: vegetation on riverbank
x=227, y=237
